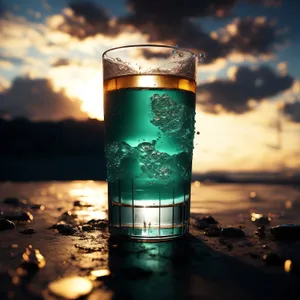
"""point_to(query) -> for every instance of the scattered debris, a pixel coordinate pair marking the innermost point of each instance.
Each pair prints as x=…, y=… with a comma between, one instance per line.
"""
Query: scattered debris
x=232, y=232
x=212, y=232
x=6, y=224
x=14, y=201
x=260, y=219
x=206, y=222
x=101, y=223
x=272, y=259
x=69, y=217
x=37, y=207
x=286, y=232
x=32, y=258
x=87, y=227
x=27, y=231
x=20, y=217
x=72, y=287
x=65, y=229
x=78, y=203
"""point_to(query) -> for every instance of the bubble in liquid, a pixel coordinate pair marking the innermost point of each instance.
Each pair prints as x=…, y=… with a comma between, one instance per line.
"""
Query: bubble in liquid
x=180, y=54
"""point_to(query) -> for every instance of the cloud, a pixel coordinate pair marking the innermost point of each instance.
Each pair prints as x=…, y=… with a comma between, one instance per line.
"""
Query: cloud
x=36, y=100
x=83, y=20
x=245, y=87
x=5, y=64
x=292, y=111
x=163, y=22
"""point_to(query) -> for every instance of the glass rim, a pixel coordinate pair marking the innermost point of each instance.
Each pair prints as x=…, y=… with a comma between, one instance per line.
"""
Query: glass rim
x=147, y=45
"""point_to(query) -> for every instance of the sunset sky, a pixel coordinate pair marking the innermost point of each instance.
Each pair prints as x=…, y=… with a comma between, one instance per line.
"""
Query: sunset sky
x=50, y=68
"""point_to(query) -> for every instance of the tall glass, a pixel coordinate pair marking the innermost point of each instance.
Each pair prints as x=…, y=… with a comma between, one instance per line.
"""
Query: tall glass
x=149, y=117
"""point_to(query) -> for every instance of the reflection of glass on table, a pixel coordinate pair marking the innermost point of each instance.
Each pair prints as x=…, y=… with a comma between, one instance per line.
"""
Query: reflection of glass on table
x=149, y=115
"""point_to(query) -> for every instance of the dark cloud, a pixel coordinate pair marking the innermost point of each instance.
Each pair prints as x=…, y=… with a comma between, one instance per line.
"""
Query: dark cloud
x=251, y=36
x=292, y=111
x=165, y=22
x=36, y=100
x=86, y=20
x=61, y=62
x=246, y=84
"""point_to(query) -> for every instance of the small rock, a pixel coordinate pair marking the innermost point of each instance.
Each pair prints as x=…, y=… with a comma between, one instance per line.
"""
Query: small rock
x=98, y=223
x=272, y=259
x=13, y=201
x=286, y=232
x=37, y=207
x=212, y=232
x=20, y=217
x=65, y=229
x=33, y=258
x=6, y=224
x=232, y=232
x=260, y=220
x=87, y=227
x=71, y=287
x=206, y=222
x=27, y=231
x=68, y=217
x=54, y=226
x=79, y=203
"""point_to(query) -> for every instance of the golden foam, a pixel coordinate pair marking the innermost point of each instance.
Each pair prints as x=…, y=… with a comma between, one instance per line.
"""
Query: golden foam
x=150, y=82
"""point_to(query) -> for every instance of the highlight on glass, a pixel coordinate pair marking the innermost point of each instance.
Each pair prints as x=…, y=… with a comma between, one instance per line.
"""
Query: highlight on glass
x=149, y=117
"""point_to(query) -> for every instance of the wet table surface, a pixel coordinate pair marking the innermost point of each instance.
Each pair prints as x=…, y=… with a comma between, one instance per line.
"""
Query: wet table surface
x=191, y=268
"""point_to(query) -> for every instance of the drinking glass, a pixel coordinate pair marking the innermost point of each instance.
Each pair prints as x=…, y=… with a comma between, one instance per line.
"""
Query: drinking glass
x=149, y=118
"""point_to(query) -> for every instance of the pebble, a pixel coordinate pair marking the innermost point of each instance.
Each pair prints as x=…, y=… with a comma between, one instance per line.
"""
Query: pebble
x=20, y=217
x=27, y=231
x=272, y=259
x=65, y=229
x=212, y=232
x=206, y=222
x=13, y=201
x=33, y=258
x=37, y=207
x=232, y=232
x=98, y=223
x=78, y=203
x=87, y=227
x=72, y=287
x=6, y=224
x=286, y=232
x=260, y=220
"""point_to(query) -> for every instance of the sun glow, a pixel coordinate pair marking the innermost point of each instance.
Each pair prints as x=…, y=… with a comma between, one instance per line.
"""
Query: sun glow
x=83, y=83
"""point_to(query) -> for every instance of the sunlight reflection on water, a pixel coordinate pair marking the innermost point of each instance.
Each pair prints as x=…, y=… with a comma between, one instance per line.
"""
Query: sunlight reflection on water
x=206, y=198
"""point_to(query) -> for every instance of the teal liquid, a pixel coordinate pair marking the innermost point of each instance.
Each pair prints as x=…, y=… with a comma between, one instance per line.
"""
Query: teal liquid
x=149, y=137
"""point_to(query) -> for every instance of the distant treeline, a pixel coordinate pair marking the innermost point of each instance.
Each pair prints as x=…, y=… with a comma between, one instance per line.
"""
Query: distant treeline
x=23, y=138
